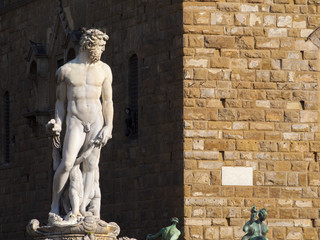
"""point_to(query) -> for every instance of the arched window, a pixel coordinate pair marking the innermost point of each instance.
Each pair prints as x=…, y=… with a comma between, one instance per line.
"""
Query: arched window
x=6, y=121
x=71, y=54
x=33, y=68
x=133, y=86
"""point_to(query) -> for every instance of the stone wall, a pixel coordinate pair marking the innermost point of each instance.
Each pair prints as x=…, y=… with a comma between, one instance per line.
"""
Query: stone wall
x=242, y=75
x=141, y=178
x=251, y=99
x=24, y=181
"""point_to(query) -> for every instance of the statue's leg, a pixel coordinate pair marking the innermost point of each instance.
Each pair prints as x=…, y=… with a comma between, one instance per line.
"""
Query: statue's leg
x=95, y=203
x=73, y=141
x=90, y=166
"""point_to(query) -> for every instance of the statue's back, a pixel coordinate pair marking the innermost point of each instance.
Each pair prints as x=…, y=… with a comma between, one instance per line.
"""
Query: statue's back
x=170, y=233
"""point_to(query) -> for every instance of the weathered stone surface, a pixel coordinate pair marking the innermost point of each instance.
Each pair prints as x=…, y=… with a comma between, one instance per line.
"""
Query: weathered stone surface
x=219, y=41
x=249, y=99
x=89, y=227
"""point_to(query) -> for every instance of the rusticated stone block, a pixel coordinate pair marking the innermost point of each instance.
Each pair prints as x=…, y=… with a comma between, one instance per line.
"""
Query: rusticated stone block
x=220, y=62
x=291, y=116
x=249, y=8
x=250, y=115
x=219, y=41
x=226, y=233
x=196, y=232
x=310, y=233
x=211, y=233
x=279, y=232
x=309, y=116
x=274, y=115
x=241, y=19
x=201, y=18
x=197, y=222
x=276, y=178
x=288, y=213
x=242, y=145
x=267, y=43
x=314, y=179
x=295, y=65
x=294, y=233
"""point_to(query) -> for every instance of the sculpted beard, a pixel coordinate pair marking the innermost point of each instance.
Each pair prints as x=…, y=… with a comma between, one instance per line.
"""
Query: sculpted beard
x=94, y=55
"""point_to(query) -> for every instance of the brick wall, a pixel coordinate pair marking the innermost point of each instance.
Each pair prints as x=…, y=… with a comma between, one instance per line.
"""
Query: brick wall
x=251, y=99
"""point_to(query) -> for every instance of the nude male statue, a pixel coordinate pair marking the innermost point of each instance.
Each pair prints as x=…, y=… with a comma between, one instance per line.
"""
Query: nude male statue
x=81, y=83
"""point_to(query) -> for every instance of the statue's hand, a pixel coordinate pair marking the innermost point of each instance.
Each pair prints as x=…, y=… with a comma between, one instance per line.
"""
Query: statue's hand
x=103, y=137
x=53, y=128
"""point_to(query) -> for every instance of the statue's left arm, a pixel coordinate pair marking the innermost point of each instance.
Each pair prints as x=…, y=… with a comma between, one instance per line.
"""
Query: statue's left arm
x=107, y=108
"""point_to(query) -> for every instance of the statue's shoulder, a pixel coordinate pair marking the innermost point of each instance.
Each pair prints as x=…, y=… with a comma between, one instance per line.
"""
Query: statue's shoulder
x=63, y=71
x=104, y=66
x=107, y=70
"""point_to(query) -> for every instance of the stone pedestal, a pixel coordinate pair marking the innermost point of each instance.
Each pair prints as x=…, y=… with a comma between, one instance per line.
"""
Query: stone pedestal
x=88, y=229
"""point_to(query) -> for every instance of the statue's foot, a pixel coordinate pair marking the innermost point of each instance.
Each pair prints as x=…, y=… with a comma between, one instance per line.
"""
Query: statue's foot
x=71, y=218
x=86, y=213
x=54, y=218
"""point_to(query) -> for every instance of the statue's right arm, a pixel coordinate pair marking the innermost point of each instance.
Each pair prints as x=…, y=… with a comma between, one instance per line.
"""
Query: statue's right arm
x=61, y=95
x=158, y=234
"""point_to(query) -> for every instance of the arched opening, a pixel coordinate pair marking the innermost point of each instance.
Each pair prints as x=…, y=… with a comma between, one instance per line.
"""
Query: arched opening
x=71, y=54
x=133, y=94
x=33, y=68
x=32, y=86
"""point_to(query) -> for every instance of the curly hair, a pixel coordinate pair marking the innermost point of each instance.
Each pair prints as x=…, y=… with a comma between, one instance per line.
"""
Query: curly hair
x=90, y=38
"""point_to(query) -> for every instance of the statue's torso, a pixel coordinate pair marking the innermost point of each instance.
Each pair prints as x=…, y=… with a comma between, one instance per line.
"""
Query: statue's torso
x=84, y=84
x=258, y=230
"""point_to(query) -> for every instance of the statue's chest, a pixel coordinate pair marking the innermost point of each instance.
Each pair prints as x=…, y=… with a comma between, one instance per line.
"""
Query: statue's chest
x=85, y=76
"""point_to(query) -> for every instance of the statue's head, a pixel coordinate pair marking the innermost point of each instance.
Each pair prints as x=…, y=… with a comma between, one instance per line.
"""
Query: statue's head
x=93, y=40
x=174, y=220
x=263, y=214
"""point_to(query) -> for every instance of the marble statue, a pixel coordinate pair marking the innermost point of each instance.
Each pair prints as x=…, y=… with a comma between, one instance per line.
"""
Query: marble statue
x=80, y=84
x=167, y=233
x=256, y=229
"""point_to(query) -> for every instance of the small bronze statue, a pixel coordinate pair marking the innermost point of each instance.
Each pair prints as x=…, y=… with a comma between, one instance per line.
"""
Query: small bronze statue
x=256, y=229
x=167, y=233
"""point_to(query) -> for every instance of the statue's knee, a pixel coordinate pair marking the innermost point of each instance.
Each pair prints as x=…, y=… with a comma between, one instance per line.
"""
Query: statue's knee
x=67, y=167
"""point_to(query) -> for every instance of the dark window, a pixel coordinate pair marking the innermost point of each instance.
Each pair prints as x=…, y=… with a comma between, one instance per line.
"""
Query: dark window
x=60, y=62
x=6, y=127
x=33, y=68
x=71, y=55
x=133, y=86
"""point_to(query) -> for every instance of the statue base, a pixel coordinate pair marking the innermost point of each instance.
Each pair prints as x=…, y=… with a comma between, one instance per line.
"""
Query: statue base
x=76, y=237
x=89, y=228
